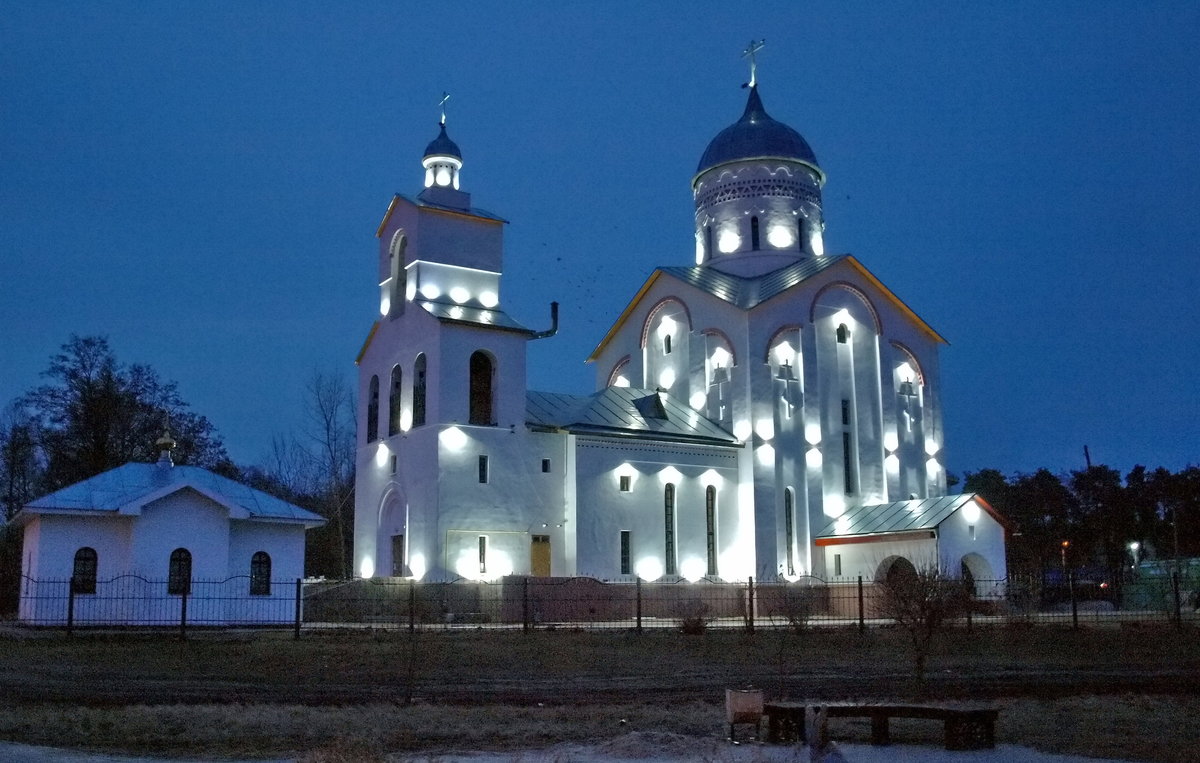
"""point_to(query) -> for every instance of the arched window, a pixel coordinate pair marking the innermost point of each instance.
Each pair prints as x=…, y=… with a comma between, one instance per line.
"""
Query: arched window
x=373, y=410
x=418, y=395
x=843, y=333
x=669, y=537
x=83, y=574
x=179, y=573
x=260, y=574
x=789, y=528
x=754, y=233
x=394, y=401
x=397, y=274
x=482, y=401
x=710, y=523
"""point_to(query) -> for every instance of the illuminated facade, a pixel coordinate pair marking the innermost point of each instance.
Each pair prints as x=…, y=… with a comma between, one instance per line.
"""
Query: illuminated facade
x=768, y=411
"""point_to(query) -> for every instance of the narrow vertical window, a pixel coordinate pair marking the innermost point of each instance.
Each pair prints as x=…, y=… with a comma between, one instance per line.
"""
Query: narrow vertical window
x=373, y=410
x=971, y=531
x=848, y=463
x=83, y=574
x=179, y=572
x=482, y=401
x=801, y=231
x=483, y=469
x=837, y=565
x=624, y=483
x=845, y=412
x=710, y=525
x=754, y=233
x=545, y=466
x=789, y=529
x=418, y=392
x=666, y=344
x=393, y=464
x=260, y=574
x=708, y=250
x=626, y=563
x=483, y=554
x=843, y=333
x=394, y=400
x=669, y=536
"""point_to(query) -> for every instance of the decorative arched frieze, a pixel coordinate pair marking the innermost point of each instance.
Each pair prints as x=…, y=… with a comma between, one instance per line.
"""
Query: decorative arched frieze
x=855, y=291
x=912, y=361
x=617, y=371
x=724, y=338
x=774, y=340
x=658, y=308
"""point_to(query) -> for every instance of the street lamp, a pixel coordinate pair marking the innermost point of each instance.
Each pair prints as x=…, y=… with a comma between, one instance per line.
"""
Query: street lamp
x=1066, y=544
x=1133, y=552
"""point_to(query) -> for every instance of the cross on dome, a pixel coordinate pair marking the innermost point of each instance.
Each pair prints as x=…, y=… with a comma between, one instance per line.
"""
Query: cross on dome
x=442, y=105
x=751, y=49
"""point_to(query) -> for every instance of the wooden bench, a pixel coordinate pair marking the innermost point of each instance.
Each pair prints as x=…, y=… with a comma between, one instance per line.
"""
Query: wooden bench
x=967, y=727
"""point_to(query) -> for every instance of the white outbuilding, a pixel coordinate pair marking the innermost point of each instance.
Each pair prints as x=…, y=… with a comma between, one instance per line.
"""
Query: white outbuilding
x=766, y=410
x=128, y=545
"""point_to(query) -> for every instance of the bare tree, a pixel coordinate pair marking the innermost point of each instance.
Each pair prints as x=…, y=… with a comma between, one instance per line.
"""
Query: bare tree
x=921, y=600
x=21, y=461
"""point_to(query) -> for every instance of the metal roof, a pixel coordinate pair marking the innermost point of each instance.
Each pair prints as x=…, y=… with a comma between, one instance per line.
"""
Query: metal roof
x=472, y=211
x=896, y=517
x=750, y=292
x=479, y=316
x=443, y=146
x=623, y=411
x=756, y=135
x=124, y=486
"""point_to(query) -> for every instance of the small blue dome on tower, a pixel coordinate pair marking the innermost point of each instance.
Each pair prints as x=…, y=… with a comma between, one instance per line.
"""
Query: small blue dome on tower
x=756, y=135
x=443, y=146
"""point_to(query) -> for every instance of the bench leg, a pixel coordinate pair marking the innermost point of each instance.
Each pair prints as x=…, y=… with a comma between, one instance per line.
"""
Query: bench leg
x=879, y=730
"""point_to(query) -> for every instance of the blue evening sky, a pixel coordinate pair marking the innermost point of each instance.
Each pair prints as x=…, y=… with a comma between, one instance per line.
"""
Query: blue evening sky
x=201, y=182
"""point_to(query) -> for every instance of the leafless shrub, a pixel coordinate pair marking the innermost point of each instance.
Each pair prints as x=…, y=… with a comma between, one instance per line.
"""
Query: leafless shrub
x=920, y=600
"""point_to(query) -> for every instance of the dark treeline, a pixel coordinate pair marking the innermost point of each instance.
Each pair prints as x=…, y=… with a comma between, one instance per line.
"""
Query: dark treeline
x=93, y=413
x=1107, y=521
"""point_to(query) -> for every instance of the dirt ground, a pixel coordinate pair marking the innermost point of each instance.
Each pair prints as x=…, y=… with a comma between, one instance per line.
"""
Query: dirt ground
x=1127, y=693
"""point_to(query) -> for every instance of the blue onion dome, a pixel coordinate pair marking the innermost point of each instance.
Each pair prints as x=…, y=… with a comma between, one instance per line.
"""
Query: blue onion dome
x=756, y=136
x=443, y=146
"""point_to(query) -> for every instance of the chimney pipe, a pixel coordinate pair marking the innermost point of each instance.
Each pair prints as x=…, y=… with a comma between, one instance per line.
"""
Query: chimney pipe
x=553, y=324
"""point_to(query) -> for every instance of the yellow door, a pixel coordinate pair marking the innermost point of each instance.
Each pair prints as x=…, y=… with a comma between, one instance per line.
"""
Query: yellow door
x=539, y=556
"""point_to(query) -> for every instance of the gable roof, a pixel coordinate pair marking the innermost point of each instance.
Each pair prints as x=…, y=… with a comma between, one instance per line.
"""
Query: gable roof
x=748, y=293
x=475, y=212
x=901, y=516
x=623, y=412
x=128, y=488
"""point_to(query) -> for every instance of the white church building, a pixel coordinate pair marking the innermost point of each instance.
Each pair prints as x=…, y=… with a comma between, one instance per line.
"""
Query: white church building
x=763, y=409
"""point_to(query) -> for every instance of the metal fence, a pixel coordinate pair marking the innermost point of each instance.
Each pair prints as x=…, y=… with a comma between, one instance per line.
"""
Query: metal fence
x=545, y=603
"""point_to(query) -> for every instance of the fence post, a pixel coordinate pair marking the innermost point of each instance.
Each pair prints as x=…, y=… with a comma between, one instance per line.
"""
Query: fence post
x=299, y=610
x=862, y=616
x=183, y=611
x=1074, y=604
x=750, y=605
x=525, y=604
x=1175, y=594
x=412, y=605
x=638, y=582
x=71, y=607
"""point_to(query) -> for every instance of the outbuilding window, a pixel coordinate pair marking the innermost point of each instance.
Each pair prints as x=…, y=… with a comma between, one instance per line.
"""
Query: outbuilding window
x=260, y=574
x=83, y=574
x=179, y=572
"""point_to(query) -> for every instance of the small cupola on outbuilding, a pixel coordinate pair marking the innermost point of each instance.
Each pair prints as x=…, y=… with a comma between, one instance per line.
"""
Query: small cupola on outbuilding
x=757, y=191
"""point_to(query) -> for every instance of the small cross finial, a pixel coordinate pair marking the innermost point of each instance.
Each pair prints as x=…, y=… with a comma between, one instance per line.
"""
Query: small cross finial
x=442, y=105
x=751, y=49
